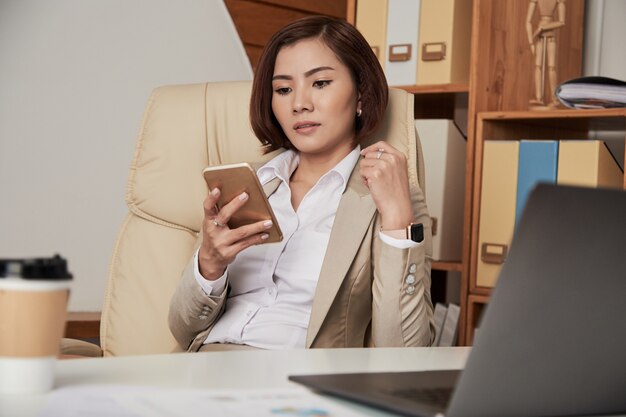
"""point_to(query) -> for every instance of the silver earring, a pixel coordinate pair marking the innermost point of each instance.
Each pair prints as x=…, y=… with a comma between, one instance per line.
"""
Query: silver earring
x=359, y=112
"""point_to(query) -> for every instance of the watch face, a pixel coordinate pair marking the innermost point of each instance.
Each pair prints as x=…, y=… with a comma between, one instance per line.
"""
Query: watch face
x=416, y=232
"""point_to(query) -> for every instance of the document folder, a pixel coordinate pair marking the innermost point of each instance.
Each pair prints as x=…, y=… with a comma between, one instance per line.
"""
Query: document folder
x=588, y=163
x=371, y=21
x=537, y=163
x=497, y=208
x=401, y=41
x=444, y=41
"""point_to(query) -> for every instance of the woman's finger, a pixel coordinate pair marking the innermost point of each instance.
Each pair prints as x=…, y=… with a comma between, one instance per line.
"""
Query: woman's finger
x=210, y=202
x=243, y=233
x=227, y=211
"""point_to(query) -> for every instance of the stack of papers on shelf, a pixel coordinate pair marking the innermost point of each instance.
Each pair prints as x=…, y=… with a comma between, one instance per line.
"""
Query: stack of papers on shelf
x=592, y=93
x=446, y=324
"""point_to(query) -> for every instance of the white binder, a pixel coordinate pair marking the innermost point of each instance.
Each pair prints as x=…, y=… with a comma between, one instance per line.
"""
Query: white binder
x=444, y=150
x=402, y=41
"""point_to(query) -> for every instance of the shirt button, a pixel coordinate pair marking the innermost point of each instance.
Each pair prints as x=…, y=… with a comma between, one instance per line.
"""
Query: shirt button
x=412, y=268
x=270, y=291
x=410, y=279
x=202, y=317
x=410, y=289
x=248, y=313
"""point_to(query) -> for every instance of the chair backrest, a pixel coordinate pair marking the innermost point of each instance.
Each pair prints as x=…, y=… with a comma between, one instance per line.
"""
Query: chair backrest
x=184, y=129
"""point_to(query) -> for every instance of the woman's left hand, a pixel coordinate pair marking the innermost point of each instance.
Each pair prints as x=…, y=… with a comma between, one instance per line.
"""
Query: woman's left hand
x=384, y=171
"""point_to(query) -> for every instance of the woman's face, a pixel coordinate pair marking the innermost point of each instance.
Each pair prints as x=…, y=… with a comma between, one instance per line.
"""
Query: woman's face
x=314, y=99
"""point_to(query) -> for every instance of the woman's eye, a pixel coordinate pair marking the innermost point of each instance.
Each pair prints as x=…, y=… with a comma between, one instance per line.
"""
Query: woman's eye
x=283, y=90
x=321, y=83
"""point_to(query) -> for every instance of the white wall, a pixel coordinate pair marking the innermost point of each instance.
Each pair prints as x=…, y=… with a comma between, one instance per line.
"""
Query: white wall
x=75, y=76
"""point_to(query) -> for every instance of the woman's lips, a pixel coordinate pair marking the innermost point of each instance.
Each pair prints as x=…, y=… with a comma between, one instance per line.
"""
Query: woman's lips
x=305, y=127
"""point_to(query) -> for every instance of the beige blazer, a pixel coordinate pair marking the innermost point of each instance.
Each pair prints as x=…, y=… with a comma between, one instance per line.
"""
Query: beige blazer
x=365, y=295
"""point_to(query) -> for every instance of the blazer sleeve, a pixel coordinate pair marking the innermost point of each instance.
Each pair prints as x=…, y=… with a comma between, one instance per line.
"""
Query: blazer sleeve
x=192, y=313
x=402, y=310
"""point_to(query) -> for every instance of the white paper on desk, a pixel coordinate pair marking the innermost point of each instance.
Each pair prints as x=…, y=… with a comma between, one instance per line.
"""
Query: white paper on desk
x=139, y=401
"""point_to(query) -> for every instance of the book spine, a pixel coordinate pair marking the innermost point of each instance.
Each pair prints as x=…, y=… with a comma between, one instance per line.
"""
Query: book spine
x=537, y=164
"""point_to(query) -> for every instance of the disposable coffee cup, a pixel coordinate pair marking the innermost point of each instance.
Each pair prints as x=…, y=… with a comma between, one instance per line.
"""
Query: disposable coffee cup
x=33, y=309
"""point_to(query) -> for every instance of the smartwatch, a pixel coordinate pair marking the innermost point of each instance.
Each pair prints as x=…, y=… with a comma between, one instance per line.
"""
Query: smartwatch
x=415, y=232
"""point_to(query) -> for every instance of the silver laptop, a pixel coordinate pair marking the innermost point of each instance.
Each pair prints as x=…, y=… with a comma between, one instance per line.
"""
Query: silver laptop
x=552, y=341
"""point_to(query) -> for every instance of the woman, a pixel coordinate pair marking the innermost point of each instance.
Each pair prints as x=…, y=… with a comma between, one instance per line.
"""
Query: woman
x=345, y=274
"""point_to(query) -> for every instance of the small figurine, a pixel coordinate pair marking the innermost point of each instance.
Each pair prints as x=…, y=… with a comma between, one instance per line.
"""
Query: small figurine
x=542, y=41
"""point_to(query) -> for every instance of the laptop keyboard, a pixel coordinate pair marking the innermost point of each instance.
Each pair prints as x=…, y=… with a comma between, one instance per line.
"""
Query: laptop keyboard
x=436, y=396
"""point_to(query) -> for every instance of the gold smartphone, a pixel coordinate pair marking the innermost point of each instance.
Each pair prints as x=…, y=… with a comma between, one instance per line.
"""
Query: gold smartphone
x=234, y=179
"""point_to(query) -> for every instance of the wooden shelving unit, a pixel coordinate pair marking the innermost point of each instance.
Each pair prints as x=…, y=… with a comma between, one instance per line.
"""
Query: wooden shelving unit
x=516, y=125
x=501, y=82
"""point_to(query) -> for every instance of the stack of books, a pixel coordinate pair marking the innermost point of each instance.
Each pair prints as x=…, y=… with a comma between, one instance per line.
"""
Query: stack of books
x=592, y=93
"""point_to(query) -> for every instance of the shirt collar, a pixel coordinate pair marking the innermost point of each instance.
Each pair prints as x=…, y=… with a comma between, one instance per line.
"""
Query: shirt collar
x=284, y=164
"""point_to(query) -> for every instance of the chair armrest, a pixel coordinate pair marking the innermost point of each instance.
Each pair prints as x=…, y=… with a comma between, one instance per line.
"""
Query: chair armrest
x=75, y=347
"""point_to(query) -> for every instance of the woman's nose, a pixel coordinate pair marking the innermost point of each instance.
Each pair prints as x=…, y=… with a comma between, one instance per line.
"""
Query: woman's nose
x=302, y=102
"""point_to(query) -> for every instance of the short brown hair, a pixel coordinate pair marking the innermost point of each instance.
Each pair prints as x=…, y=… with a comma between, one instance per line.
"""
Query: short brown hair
x=351, y=49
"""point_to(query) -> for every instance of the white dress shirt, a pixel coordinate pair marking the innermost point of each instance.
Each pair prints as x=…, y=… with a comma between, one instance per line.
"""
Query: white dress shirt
x=272, y=285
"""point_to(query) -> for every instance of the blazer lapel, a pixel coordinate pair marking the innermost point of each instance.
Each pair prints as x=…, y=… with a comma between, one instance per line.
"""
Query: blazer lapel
x=354, y=215
x=271, y=186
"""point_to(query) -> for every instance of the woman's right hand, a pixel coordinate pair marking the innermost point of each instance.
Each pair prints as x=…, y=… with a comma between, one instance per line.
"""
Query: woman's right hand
x=220, y=244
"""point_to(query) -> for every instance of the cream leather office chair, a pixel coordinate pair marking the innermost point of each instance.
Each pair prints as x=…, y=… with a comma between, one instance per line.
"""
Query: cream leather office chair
x=184, y=129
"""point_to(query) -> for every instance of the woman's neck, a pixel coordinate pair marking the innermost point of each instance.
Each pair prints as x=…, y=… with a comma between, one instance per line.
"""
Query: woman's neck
x=313, y=166
x=310, y=169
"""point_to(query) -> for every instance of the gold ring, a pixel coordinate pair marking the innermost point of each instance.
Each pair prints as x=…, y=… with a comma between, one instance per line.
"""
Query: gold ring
x=218, y=224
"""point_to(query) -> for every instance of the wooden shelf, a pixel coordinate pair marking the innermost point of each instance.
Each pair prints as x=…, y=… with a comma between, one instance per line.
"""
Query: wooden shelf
x=554, y=114
x=436, y=88
x=455, y=266
x=438, y=101
x=555, y=124
x=562, y=120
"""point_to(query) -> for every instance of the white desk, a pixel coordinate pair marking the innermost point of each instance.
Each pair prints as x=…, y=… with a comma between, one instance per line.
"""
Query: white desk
x=235, y=370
